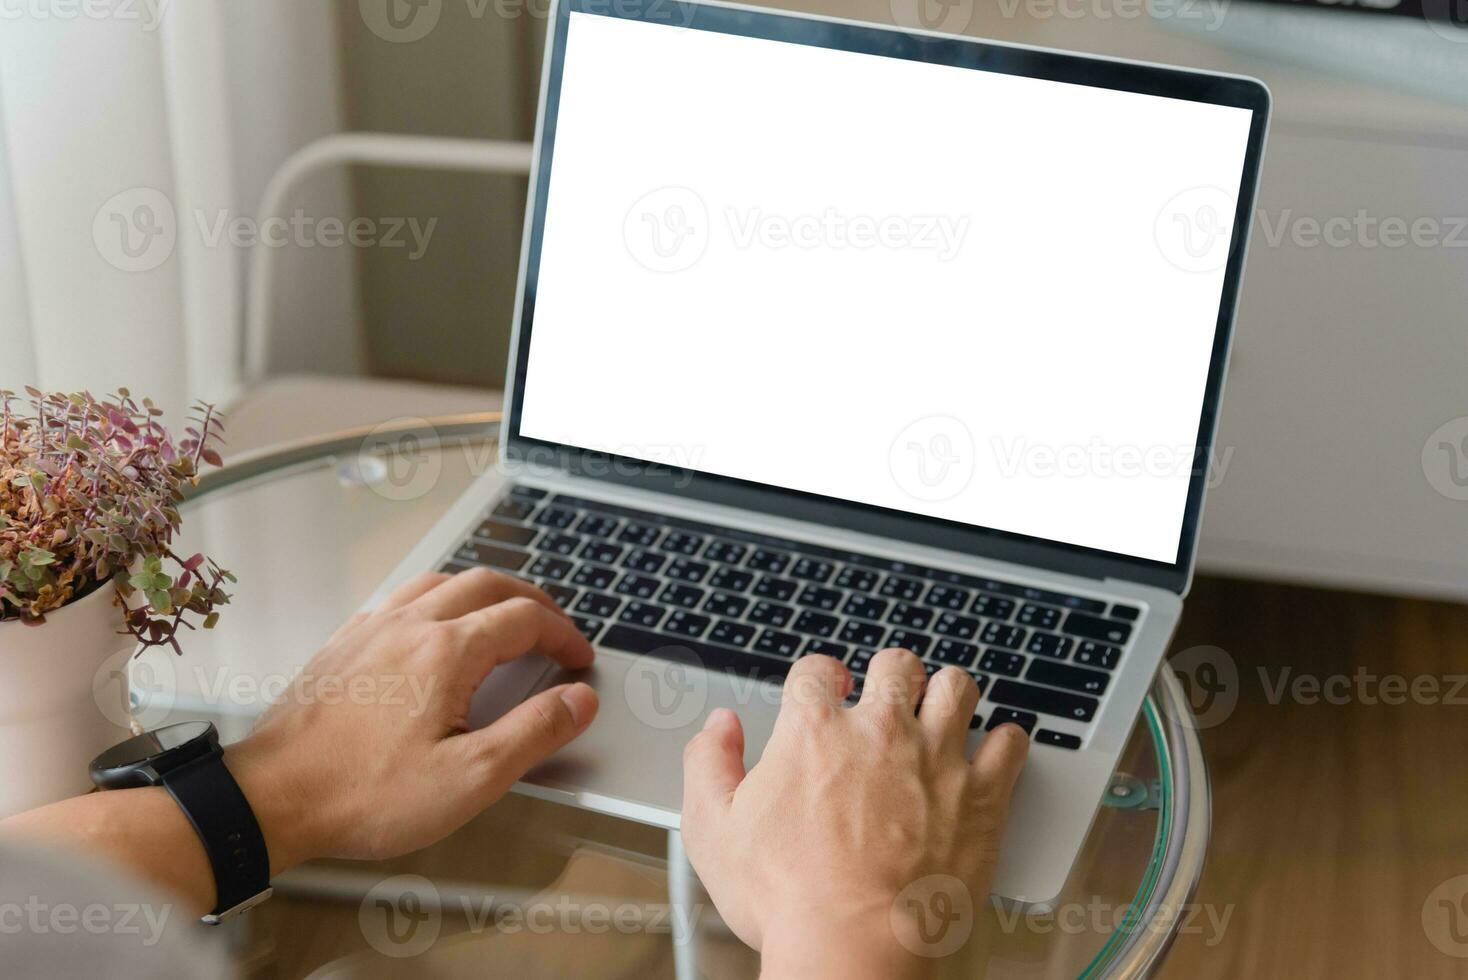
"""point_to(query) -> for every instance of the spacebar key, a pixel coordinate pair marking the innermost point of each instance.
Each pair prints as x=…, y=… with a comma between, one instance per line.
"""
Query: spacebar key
x=694, y=653
x=1047, y=702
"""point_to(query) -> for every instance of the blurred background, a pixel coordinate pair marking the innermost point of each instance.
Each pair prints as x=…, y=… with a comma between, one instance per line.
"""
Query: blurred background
x=139, y=138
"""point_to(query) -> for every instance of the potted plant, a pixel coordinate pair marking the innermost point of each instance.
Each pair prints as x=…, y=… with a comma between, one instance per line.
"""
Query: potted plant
x=89, y=495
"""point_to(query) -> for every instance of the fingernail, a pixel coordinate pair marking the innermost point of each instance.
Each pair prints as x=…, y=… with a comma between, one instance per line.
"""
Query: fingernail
x=716, y=717
x=580, y=700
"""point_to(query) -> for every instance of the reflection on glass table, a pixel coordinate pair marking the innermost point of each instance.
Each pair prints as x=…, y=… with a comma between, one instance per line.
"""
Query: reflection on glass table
x=311, y=529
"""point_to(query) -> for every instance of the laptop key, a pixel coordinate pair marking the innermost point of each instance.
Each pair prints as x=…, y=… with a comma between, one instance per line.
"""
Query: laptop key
x=766, y=560
x=906, y=589
x=649, y=562
x=511, y=509
x=598, y=526
x=632, y=639
x=594, y=577
x=529, y=493
x=556, y=517
x=560, y=544
x=730, y=579
x=685, y=623
x=1000, y=635
x=770, y=613
x=992, y=606
x=1093, y=654
x=865, y=607
x=687, y=571
x=861, y=660
x=816, y=597
x=1128, y=613
x=910, y=616
x=643, y=614
x=826, y=648
x=857, y=579
x=1008, y=716
x=732, y=634
x=861, y=634
x=588, y=627
x=958, y=627
x=778, y=589
x=948, y=597
x=918, y=643
x=602, y=552
x=596, y=604
x=777, y=644
x=639, y=586
x=814, y=623
x=724, y=604
x=683, y=543
x=563, y=594
x=1062, y=704
x=1002, y=662
x=687, y=596
x=1094, y=628
x=492, y=555
x=642, y=535
x=813, y=569
x=1058, y=739
x=548, y=567
x=1049, y=645
x=1040, y=617
x=955, y=652
x=1068, y=677
x=726, y=552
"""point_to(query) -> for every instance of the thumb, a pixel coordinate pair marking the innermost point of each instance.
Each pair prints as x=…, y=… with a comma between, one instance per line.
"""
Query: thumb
x=713, y=768
x=533, y=730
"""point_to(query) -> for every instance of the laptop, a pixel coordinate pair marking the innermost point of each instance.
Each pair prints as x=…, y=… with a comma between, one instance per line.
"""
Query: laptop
x=833, y=337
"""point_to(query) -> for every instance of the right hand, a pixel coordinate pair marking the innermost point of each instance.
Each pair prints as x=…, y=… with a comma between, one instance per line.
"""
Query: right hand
x=806, y=855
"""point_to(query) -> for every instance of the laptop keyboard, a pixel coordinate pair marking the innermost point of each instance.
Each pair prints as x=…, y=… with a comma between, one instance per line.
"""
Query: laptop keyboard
x=647, y=583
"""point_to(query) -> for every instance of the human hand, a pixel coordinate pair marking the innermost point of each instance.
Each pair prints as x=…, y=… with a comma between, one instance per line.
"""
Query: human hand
x=386, y=766
x=806, y=855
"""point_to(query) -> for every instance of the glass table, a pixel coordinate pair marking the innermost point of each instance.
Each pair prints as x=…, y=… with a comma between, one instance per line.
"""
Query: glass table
x=310, y=529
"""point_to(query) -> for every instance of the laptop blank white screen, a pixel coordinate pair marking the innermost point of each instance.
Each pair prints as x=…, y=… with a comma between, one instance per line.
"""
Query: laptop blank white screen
x=973, y=296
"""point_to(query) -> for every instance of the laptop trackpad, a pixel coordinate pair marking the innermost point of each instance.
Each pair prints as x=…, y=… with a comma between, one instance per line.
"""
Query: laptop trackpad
x=506, y=687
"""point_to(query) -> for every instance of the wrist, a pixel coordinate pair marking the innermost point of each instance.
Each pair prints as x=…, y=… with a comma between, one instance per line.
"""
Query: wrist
x=852, y=946
x=285, y=818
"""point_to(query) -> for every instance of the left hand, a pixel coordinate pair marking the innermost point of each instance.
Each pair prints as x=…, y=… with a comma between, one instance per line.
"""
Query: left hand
x=367, y=754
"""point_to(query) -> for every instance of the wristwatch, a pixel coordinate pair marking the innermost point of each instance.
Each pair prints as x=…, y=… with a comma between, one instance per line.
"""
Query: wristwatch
x=188, y=761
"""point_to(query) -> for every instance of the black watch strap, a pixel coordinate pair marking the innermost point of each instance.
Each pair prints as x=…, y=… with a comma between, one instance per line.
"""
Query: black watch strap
x=214, y=804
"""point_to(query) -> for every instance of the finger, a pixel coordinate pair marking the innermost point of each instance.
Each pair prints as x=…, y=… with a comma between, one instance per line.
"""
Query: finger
x=895, y=680
x=1000, y=758
x=348, y=626
x=533, y=731
x=474, y=590
x=816, y=680
x=413, y=589
x=713, y=768
x=509, y=630
x=948, y=705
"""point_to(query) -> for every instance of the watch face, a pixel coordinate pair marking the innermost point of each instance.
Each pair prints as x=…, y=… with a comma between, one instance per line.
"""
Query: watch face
x=143, y=748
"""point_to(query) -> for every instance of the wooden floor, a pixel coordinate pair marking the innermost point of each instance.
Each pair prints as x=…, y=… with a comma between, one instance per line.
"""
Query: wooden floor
x=1332, y=823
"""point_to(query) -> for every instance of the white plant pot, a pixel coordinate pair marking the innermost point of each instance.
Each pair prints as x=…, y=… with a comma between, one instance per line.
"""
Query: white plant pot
x=63, y=700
